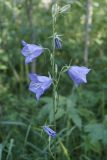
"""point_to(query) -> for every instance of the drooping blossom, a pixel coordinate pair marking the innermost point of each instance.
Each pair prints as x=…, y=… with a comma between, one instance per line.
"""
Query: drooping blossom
x=39, y=84
x=78, y=74
x=31, y=51
x=58, y=44
x=49, y=131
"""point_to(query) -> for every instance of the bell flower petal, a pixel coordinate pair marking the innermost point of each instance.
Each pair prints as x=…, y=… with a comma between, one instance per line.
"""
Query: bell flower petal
x=78, y=74
x=49, y=131
x=39, y=84
x=58, y=44
x=31, y=51
x=23, y=43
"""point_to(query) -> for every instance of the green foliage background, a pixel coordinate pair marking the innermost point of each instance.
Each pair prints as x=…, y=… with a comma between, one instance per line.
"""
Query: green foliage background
x=81, y=117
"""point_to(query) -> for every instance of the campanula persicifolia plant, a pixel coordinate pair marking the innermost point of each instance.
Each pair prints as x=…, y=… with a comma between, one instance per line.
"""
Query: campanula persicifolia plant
x=40, y=83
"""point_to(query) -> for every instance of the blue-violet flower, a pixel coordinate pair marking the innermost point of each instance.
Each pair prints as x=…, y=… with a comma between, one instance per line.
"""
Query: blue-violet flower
x=31, y=51
x=39, y=84
x=78, y=74
x=49, y=131
x=58, y=44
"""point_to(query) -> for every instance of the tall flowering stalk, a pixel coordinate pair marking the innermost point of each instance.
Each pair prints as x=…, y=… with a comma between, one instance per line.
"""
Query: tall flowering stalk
x=54, y=73
x=54, y=66
x=40, y=83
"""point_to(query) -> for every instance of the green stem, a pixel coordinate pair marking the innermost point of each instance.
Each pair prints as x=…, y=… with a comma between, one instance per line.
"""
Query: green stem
x=50, y=149
x=54, y=77
x=53, y=72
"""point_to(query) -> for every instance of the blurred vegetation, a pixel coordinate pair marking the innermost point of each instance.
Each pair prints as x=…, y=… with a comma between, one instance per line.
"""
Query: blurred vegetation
x=82, y=116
